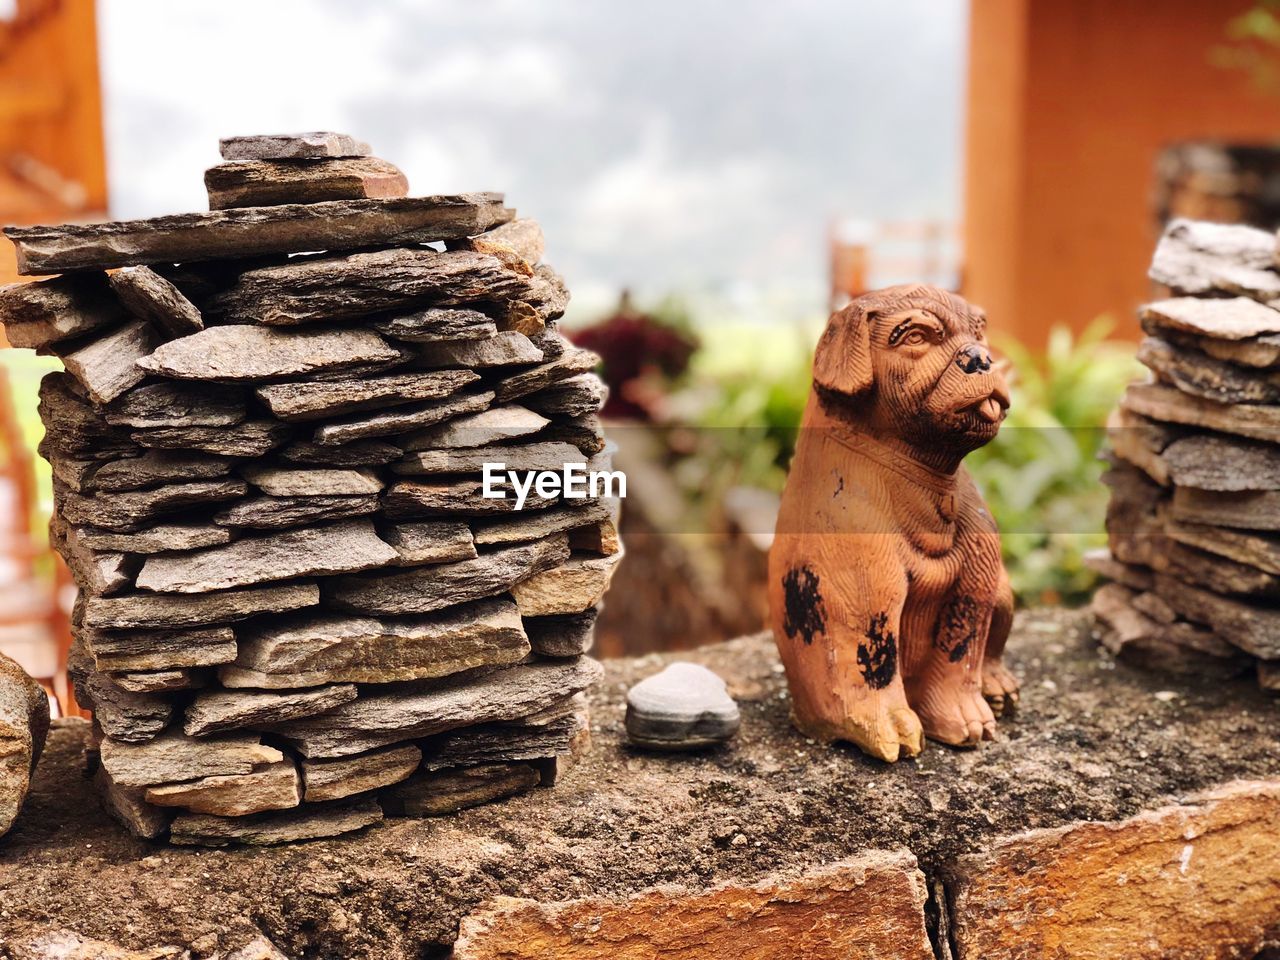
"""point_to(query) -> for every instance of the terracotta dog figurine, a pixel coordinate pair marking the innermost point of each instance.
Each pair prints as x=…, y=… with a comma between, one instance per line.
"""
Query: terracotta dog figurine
x=889, y=600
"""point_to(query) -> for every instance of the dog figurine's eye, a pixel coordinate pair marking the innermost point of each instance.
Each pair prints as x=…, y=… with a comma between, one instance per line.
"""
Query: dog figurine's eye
x=915, y=338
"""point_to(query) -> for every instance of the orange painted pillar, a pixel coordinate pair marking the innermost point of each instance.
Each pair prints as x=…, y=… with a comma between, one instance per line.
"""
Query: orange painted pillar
x=1069, y=104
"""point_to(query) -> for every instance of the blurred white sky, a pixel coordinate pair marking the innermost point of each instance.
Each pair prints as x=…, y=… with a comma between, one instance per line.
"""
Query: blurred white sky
x=695, y=146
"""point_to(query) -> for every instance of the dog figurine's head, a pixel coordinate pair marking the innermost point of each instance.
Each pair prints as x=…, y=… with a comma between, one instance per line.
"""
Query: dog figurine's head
x=912, y=362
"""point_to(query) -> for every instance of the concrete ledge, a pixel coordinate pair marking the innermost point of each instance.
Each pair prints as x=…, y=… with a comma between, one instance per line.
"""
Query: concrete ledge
x=747, y=841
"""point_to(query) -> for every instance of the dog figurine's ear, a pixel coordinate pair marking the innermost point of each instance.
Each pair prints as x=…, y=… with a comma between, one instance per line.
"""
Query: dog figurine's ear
x=842, y=362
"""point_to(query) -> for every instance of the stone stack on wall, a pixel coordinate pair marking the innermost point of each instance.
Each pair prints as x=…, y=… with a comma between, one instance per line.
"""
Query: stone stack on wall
x=298, y=609
x=1194, y=518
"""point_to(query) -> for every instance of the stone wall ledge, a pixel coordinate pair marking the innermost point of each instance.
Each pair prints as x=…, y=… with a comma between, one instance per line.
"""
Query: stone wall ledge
x=1121, y=814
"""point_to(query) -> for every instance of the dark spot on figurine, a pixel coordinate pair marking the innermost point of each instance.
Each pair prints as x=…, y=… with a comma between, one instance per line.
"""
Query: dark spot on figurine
x=803, y=612
x=959, y=627
x=878, y=656
x=839, y=486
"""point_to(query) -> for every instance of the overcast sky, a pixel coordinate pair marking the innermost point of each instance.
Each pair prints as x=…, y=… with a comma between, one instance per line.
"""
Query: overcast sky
x=664, y=145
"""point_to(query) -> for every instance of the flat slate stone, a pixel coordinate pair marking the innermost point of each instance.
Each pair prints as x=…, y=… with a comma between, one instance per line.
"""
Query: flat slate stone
x=427, y=589
x=275, y=786
x=160, y=649
x=254, y=231
x=157, y=539
x=39, y=314
x=131, y=509
x=565, y=636
x=448, y=791
x=217, y=711
x=264, y=183
x=73, y=427
x=425, y=498
x=507, y=348
x=173, y=757
x=503, y=742
x=307, y=651
x=319, y=400
x=109, y=365
x=1169, y=405
x=574, y=362
x=150, y=611
x=386, y=718
x=346, y=776
x=437, y=323
x=478, y=429
x=24, y=725
x=314, y=145
x=312, y=482
x=1203, y=376
x=572, y=587
x=316, y=551
x=543, y=523
x=161, y=681
x=1254, y=629
x=683, y=707
x=128, y=806
x=150, y=296
x=526, y=456
x=306, y=823
x=178, y=405
x=1165, y=645
x=359, y=453
x=95, y=572
x=278, y=513
x=1221, y=318
x=548, y=294
x=575, y=397
x=157, y=468
x=1217, y=462
x=359, y=284
x=1195, y=257
x=252, y=438
x=1245, y=509
x=429, y=541
x=524, y=238
x=245, y=352
x=401, y=419
x=1254, y=549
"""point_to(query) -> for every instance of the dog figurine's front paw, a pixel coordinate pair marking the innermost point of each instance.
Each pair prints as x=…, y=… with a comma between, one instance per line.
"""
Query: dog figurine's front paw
x=999, y=686
x=959, y=717
x=892, y=733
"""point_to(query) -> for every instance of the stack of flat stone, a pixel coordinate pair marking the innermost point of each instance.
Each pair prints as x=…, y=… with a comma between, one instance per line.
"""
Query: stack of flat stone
x=1194, y=518
x=297, y=610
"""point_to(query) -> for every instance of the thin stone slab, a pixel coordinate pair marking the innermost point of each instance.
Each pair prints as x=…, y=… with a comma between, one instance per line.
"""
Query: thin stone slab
x=160, y=649
x=548, y=294
x=574, y=362
x=386, y=718
x=502, y=742
x=575, y=397
x=308, y=651
x=1169, y=405
x=1221, y=318
x=523, y=237
x=600, y=538
x=276, y=786
x=37, y=315
x=359, y=453
x=314, y=145
x=1246, y=509
x=265, y=183
x=564, y=636
x=71, y=473
x=243, y=352
x=1259, y=352
x=436, y=324
x=150, y=296
x=524, y=457
x=217, y=711
x=71, y=425
x=324, y=399
x=1215, y=462
x=401, y=419
x=448, y=791
x=479, y=429
x=173, y=758
x=1254, y=629
x=359, y=284
x=319, y=551
x=317, y=482
x=254, y=231
x=346, y=776
x=427, y=589
x=95, y=572
x=430, y=541
x=252, y=438
x=24, y=725
x=110, y=365
x=157, y=539
x=504, y=349
x=464, y=497
x=1195, y=257
x=157, y=468
x=525, y=526
x=130, y=509
x=1254, y=549
x=178, y=405
x=572, y=587
x=306, y=823
x=128, y=806
x=152, y=611
x=161, y=681
x=1202, y=376
x=684, y=707
x=279, y=513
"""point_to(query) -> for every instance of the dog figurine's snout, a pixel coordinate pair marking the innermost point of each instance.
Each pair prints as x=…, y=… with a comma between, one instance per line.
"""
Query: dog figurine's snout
x=974, y=358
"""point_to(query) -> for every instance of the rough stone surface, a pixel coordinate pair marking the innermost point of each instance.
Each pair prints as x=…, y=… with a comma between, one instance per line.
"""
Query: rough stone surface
x=313, y=145
x=217, y=711
x=479, y=429
x=504, y=349
x=1195, y=257
x=253, y=231
x=252, y=438
x=574, y=397
x=128, y=806
x=124, y=716
x=73, y=427
x=450, y=497
x=110, y=365
x=437, y=794
x=1235, y=318
x=683, y=707
x=568, y=636
x=1211, y=462
x=276, y=786
x=1173, y=406
x=572, y=587
x=308, y=650
x=264, y=183
x=330, y=482
x=158, y=538
x=1203, y=376
x=309, y=823
x=1095, y=744
x=278, y=513
x=244, y=352
x=436, y=324
x=431, y=541
x=178, y=405
x=149, y=610
x=161, y=681
x=160, y=649
x=156, y=468
x=38, y=314
x=150, y=296
x=574, y=362
x=534, y=526
x=345, y=776
x=361, y=453
x=173, y=757
x=525, y=456
x=322, y=399
x=401, y=419
x=24, y=724
x=128, y=510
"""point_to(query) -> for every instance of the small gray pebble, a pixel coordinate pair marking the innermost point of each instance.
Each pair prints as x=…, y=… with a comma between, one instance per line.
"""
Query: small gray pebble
x=685, y=707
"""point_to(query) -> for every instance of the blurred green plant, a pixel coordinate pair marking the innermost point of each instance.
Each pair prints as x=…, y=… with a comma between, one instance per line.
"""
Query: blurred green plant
x=1253, y=45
